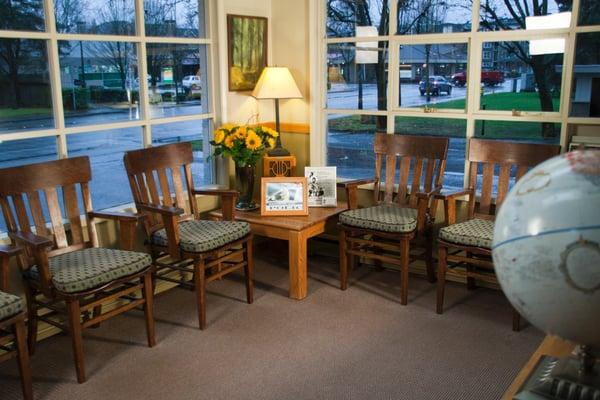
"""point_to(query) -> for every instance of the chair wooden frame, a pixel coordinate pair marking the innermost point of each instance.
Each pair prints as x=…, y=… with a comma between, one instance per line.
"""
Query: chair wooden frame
x=429, y=154
x=21, y=186
x=165, y=210
x=14, y=326
x=487, y=153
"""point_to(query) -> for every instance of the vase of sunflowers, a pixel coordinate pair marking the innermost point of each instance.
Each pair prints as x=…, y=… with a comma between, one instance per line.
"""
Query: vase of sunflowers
x=245, y=145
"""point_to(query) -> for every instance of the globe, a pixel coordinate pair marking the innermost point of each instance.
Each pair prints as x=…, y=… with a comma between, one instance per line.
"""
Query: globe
x=546, y=246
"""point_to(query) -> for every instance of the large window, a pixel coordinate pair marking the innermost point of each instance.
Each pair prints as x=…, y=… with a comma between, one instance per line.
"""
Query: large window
x=103, y=80
x=460, y=69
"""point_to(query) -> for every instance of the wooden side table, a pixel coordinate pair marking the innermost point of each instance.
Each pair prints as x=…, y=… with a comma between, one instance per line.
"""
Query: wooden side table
x=279, y=166
x=297, y=231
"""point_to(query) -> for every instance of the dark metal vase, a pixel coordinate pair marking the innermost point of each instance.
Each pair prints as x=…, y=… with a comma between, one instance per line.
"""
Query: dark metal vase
x=244, y=183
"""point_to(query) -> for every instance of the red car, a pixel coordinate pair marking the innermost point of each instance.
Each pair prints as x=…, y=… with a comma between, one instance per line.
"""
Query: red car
x=488, y=78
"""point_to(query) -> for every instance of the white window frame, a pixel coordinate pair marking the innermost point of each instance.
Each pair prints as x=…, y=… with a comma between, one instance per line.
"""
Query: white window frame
x=476, y=41
x=139, y=39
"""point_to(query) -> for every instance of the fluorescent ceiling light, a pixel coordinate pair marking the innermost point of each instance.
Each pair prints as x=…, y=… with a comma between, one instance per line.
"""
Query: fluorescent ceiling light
x=552, y=21
x=546, y=46
x=366, y=52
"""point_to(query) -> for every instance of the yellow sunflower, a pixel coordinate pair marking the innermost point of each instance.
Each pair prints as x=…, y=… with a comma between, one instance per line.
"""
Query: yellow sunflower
x=241, y=132
x=229, y=141
x=253, y=141
x=270, y=132
x=219, y=136
x=271, y=142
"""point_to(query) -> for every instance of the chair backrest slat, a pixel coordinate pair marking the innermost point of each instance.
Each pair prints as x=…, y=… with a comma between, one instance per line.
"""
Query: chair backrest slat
x=189, y=180
x=178, y=184
x=507, y=155
x=151, y=183
x=377, y=186
x=87, y=204
x=73, y=213
x=413, y=151
x=35, y=205
x=56, y=218
x=164, y=187
x=8, y=215
x=390, y=172
x=22, y=217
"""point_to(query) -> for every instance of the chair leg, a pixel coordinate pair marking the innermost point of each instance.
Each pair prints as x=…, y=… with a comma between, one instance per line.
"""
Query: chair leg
x=199, y=280
x=516, y=321
x=23, y=359
x=471, y=285
x=74, y=311
x=404, y=261
x=249, y=271
x=429, y=256
x=96, y=312
x=441, y=278
x=32, y=318
x=148, y=293
x=343, y=261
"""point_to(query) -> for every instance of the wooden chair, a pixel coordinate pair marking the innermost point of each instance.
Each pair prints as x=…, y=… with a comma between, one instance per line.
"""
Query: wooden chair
x=381, y=231
x=173, y=226
x=12, y=322
x=468, y=243
x=60, y=262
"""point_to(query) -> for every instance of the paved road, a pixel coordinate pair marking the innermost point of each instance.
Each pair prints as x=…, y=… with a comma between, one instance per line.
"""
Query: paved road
x=345, y=96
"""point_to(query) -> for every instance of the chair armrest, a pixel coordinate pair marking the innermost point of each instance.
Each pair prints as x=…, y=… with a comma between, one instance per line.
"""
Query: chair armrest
x=450, y=203
x=9, y=250
x=355, y=182
x=426, y=195
x=32, y=240
x=227, y=196
x=162, y=210
x=454, y=195
x=117, y=216
x=351, y=188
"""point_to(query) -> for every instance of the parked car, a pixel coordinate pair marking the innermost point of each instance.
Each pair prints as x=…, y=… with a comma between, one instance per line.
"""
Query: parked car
x=166, y=91
x=437, y=85
x=191, y=82
x=488, y=78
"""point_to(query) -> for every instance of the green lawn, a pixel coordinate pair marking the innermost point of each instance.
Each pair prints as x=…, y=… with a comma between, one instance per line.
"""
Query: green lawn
x=457, y=127
x=7, y=113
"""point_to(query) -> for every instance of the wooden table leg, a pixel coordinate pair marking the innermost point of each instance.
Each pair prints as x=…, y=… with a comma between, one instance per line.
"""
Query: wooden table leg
x=297, y=260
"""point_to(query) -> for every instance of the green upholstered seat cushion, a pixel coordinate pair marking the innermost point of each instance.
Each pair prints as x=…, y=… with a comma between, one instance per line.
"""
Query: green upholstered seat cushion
x=88, y=268
x=201, y=236
x=10, y=305
x=385, y=217
x=474, y=232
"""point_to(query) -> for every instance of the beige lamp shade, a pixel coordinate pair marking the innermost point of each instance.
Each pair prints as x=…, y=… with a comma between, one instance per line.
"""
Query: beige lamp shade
x=276, y=83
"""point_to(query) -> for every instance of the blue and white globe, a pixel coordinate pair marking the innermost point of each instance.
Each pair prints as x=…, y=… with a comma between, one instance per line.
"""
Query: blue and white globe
x=546, y=246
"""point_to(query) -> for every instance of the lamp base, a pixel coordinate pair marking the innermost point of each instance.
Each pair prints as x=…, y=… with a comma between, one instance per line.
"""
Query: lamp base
x=278, y=152
x=561, y=378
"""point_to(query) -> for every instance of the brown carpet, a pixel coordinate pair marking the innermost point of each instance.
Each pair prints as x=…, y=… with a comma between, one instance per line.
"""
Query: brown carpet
x=357, y=344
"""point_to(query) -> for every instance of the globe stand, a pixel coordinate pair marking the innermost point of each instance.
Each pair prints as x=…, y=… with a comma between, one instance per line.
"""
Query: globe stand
x=573, y=378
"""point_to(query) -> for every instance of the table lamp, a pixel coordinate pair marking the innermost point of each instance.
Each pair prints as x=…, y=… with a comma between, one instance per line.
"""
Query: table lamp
x=276, y=83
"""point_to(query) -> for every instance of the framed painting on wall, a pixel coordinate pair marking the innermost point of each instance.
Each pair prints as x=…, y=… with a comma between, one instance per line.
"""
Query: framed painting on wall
x=247, y=50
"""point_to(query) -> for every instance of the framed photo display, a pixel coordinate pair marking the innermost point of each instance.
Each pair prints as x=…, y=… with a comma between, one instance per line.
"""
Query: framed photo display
x=284, y=196
x=322, y=190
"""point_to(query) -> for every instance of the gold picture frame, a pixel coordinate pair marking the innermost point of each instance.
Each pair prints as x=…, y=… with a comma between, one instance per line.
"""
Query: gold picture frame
x=284, y=196
x=247, y=50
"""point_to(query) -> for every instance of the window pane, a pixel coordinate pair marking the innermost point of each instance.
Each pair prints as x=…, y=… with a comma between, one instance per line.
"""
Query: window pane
x=454, y=129
x=177, y=81
x=534, y=132
x=183, y=18
x=107, y=91
x=26, y=151
x=196, y=132
x=109, y=186
x=353, y=85
x=350, y=144
x=515, y=80
x=343, y=16
x=106, y=17
x=22, y=15
x=433, y=75
x=496, y=15
x=585, y=96
x=433, y=16
x=589, y=12
x=25, y=97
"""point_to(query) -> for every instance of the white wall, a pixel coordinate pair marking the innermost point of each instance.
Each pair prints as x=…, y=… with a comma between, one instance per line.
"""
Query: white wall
x=287, y=46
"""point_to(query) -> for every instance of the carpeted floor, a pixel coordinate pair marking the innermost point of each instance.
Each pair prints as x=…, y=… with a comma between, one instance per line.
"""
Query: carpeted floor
x=357, y=344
